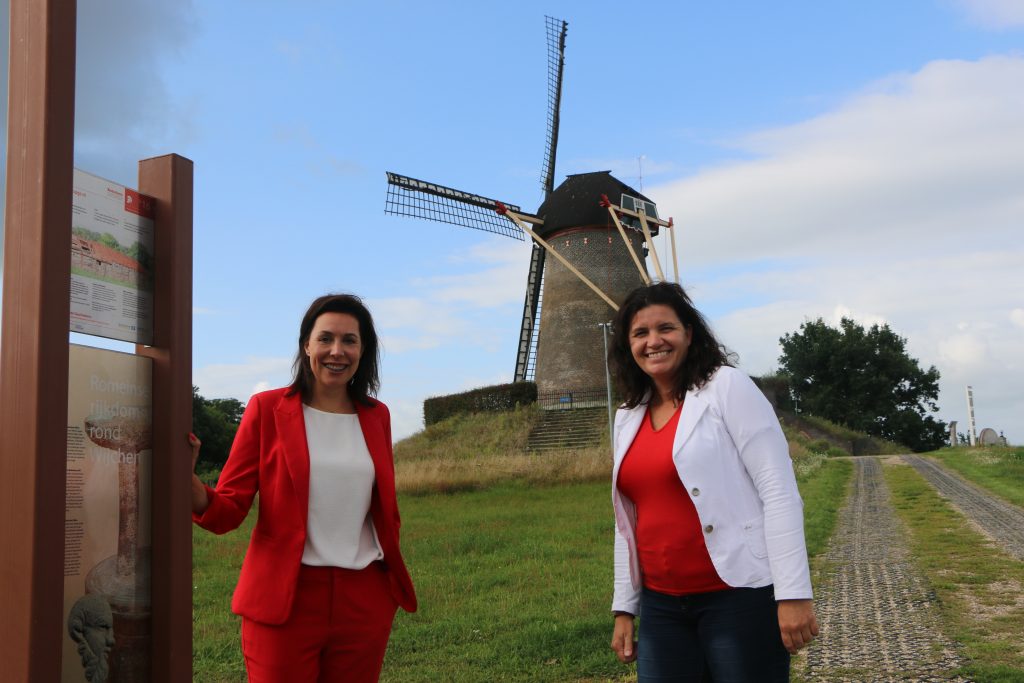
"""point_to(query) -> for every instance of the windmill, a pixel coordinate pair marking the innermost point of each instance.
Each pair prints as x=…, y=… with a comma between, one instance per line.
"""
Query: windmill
x=593, y=245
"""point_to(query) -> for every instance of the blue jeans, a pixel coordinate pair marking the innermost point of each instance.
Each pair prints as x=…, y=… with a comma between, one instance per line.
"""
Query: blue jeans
x=728, y=636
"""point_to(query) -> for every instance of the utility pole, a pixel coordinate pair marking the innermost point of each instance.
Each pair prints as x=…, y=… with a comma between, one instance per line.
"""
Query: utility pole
x=607, y=378
x=970, y=416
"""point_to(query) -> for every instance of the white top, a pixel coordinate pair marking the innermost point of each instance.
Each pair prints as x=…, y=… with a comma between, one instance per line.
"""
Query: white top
x=339, y=528
x=733, y=459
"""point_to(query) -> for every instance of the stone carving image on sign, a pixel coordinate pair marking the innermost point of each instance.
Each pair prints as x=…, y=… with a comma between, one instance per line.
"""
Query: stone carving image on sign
x=91, y=626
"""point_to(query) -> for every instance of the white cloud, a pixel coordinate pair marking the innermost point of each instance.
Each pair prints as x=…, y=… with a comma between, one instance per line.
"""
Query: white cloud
x=242, y=380
x=448, y=307
x=913, y=164
x=406, y=416
x=318, y=158
x=121, y=99
x=630, y=171
x=841, y=311
x=963, y=350
x=951, y=318
x=995, y=14
x=1017, y=317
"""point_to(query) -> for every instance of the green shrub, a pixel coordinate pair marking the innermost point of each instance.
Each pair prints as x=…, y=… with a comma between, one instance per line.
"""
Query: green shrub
x=499, y=397
x=819, y=446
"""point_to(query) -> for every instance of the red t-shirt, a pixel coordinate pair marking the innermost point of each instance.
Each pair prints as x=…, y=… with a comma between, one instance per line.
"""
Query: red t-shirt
x=669, y=539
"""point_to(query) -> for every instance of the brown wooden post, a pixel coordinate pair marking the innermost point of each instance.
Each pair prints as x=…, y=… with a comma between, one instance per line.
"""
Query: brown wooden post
x=34, y=346
x=168, y=179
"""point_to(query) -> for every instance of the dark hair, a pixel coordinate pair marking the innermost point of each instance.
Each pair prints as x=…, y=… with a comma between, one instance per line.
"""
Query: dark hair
x=703, y=358
x=366, y=380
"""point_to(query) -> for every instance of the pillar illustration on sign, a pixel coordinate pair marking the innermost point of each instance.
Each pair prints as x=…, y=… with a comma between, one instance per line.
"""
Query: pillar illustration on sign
x=123, y=579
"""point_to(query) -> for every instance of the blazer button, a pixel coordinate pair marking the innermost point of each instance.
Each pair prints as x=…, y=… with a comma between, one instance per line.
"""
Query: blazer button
x=695, y=491
x=709, y=528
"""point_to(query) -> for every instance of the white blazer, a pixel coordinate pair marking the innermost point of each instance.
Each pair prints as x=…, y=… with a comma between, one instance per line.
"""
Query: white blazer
x=733, y=460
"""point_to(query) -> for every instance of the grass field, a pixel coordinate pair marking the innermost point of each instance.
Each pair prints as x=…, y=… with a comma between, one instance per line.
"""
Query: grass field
x=980, y=588
x=513, y=574
x=1000, y=470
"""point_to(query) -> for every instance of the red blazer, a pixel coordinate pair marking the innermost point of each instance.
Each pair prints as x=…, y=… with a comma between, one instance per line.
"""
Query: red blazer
x=270, y=456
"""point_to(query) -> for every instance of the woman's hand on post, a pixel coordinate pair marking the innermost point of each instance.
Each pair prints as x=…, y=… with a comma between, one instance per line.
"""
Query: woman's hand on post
x=622, y=638
x=797, y=623
x=200, y=501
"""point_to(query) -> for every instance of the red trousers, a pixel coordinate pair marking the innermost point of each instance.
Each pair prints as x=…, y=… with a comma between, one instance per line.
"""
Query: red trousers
x=338, y=630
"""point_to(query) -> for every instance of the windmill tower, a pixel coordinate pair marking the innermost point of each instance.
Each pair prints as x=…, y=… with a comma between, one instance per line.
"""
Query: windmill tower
x=588, y=251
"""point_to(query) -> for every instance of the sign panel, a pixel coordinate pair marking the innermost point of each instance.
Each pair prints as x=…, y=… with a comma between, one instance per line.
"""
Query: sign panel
x=111, y=260
x=107, y=518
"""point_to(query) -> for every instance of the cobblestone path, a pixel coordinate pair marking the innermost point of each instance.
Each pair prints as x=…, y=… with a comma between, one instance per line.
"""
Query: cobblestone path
x=997, y=519
x=879, y=622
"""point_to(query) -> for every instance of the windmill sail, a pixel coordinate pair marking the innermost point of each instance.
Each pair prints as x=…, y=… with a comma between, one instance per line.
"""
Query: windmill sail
x=421, y=199
x=557, y=29
x=527, y=355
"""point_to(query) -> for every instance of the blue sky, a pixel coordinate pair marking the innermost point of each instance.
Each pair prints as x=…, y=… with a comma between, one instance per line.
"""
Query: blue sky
x=821, y=159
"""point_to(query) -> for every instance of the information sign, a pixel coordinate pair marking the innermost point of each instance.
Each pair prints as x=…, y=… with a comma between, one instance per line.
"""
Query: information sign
x=111, y=260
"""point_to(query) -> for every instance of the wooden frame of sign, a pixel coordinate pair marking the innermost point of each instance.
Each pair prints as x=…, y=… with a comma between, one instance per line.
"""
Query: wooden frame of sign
x=34, y=362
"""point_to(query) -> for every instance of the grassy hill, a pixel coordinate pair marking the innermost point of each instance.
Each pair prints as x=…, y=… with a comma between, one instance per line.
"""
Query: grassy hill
x=472, y=452
x=475, y=451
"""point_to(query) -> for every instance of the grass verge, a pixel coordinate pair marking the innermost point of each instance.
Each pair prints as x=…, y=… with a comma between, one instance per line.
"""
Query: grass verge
x=998, y=469
x=514, y=584
x=824, y=487
x=980, y=589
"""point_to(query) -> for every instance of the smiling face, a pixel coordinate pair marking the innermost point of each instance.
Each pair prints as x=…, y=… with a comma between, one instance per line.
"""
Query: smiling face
x=659, y=341
x=334, y=348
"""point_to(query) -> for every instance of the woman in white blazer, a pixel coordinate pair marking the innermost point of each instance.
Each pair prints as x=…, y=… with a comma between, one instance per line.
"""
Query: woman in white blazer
x=709, y=539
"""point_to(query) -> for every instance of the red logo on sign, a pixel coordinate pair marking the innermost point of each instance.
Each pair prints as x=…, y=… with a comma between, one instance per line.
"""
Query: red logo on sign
x=139, y=204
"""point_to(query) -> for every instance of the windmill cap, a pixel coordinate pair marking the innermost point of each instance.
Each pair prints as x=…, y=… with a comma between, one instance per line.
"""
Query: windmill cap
x=577, y=202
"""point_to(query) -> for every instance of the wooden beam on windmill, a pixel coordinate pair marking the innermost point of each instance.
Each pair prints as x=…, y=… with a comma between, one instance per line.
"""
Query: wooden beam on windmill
x=612, y=210
x=643, y=213
x=521, y=221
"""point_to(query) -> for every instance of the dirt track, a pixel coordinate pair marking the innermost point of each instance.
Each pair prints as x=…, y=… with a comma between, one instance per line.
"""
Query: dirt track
x=879, y=622
x=997, y=519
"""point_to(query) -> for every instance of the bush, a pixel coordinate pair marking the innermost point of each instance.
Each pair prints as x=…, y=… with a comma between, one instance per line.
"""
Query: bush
x=776, y=388
x=819, y=446
x=499, y=397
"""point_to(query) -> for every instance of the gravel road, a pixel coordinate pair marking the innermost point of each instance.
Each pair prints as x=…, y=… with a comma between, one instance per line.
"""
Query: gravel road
x=997, y=519
x=879, y=622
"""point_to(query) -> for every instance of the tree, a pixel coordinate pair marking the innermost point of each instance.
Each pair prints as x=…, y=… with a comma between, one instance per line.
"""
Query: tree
x=215, y=422
x=864, y=379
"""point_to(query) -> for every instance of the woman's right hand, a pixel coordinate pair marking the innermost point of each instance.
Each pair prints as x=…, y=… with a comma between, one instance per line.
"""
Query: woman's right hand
x=200, y=501
x=622, y=638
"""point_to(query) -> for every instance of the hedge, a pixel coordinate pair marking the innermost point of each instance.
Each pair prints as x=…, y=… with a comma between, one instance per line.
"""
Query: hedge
x=485, y=399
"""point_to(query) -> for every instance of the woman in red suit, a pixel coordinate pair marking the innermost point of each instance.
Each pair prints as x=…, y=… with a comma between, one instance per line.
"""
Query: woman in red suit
x=323, y=575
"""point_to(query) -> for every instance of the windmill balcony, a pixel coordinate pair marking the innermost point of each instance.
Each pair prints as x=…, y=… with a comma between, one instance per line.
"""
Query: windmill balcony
x=570, y=400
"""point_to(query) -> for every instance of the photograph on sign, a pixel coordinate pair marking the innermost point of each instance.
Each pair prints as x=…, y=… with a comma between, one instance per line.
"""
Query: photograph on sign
x=107, y=518
x=111, y=260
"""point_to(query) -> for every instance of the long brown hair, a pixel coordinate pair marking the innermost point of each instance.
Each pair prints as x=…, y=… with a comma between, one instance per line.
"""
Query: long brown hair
x=366, y=380
x=703, y=358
